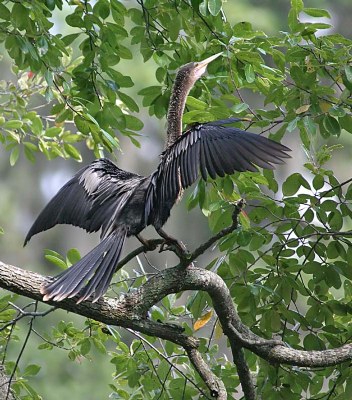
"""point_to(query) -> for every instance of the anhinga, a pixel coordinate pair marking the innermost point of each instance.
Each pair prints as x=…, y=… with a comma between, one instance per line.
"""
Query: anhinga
x=121, y=203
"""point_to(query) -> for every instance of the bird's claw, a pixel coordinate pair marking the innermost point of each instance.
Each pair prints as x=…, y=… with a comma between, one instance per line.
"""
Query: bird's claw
x=172, y=245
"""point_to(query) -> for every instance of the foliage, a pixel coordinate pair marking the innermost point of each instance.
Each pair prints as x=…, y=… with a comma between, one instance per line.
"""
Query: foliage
x=289, y=264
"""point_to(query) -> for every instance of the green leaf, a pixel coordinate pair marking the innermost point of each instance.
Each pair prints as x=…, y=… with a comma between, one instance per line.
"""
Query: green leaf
x=346, y=123
x=57, y=108
x=111, y=140
x=82, y=124
x=332, y=125
x=54, y=131
x=99, y=345
x=68, y=39
x=312, y=342
x=336, y=111
x=292, y=124
x=73, y=256
x=239, y=108
x=297, y=5
x=133, y=123
x=214, y=6
x=75, y=20
x=31, y=369
x=196, y=103
x=249, y=57
x=197, y=116
x=14, y=155
x=72, y=152
x=312, y=27
x=19, y=16
x=150, y=90
x=128, y=101
x=249, y=72
x=125, y=52
x=203, y=8
x=335, y=220
x=37, y=126
x=13, y=124
x=103, y=8
x=293, y=183
x=85, y=346
x=56, y=260
x=318, y=182
x=348, y=72
x=4, y=12
x=120, y=79
x=317, y=12
x=45, y=346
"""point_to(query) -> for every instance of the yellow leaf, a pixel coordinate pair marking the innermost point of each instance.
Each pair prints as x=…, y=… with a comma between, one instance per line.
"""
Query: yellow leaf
x=324, y=106
x=203, y=320
x=218, y=330
x=303, y=109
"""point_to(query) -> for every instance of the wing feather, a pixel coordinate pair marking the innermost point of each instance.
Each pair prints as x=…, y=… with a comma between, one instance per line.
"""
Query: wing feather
x=89, y=200
x=213, y=149
x=208, y=160
x=216, y=156
x=202, y=162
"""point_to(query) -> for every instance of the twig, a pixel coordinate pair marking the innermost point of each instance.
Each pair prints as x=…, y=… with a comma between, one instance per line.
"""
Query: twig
x=150, y=245
x=140, y=337
x=243, y=371
x=21, y=352
x=205, y=246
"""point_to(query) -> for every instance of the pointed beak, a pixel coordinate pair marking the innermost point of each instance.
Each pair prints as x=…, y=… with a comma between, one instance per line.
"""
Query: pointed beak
x=201, y=66
x=204, y=63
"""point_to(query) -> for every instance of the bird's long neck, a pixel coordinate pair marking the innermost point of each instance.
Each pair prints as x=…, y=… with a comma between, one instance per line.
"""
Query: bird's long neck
x=180, y=90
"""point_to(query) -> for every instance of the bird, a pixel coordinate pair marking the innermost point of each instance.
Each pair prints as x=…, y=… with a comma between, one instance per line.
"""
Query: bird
x=120, y=204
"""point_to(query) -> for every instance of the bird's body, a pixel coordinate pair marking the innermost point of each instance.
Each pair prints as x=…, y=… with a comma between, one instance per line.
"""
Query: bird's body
x=103, y=197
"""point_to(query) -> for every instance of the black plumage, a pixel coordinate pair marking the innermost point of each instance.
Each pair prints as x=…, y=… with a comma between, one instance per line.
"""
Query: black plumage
x=103, y=197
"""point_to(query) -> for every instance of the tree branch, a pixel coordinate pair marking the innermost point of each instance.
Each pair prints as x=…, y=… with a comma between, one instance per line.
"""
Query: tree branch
x=216, y=386
x=129, y=311
x=243, y=371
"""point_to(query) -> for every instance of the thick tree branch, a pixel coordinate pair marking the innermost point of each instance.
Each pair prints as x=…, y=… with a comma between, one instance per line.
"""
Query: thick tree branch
x=126, y=311
x=216, y=386
x=5, y=392
x=129, y=311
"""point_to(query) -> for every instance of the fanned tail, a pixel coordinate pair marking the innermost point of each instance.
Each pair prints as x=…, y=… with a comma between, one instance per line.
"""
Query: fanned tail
x=89, y=277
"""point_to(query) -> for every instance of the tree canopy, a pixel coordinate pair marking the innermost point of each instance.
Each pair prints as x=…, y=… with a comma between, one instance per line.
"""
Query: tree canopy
x=268, y=315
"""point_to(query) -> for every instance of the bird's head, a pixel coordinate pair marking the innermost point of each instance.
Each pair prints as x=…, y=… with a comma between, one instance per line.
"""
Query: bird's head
x=192, y=71
x=186, y=77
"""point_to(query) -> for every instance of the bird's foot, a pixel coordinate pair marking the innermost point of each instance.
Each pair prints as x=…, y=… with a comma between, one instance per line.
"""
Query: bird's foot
x=171, y=243
x=144, y=242
x=149, y=245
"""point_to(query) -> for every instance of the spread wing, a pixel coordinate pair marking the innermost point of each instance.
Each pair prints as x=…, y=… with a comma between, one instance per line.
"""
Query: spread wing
x=211, y=149
x=89, y=200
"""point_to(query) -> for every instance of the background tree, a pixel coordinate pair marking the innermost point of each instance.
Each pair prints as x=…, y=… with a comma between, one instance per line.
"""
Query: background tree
x=280, y=278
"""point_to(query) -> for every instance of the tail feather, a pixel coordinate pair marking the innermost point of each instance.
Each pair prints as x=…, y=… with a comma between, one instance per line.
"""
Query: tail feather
x=70, y=279
x=103, y=283
x=99, y=283
x=89, y=277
